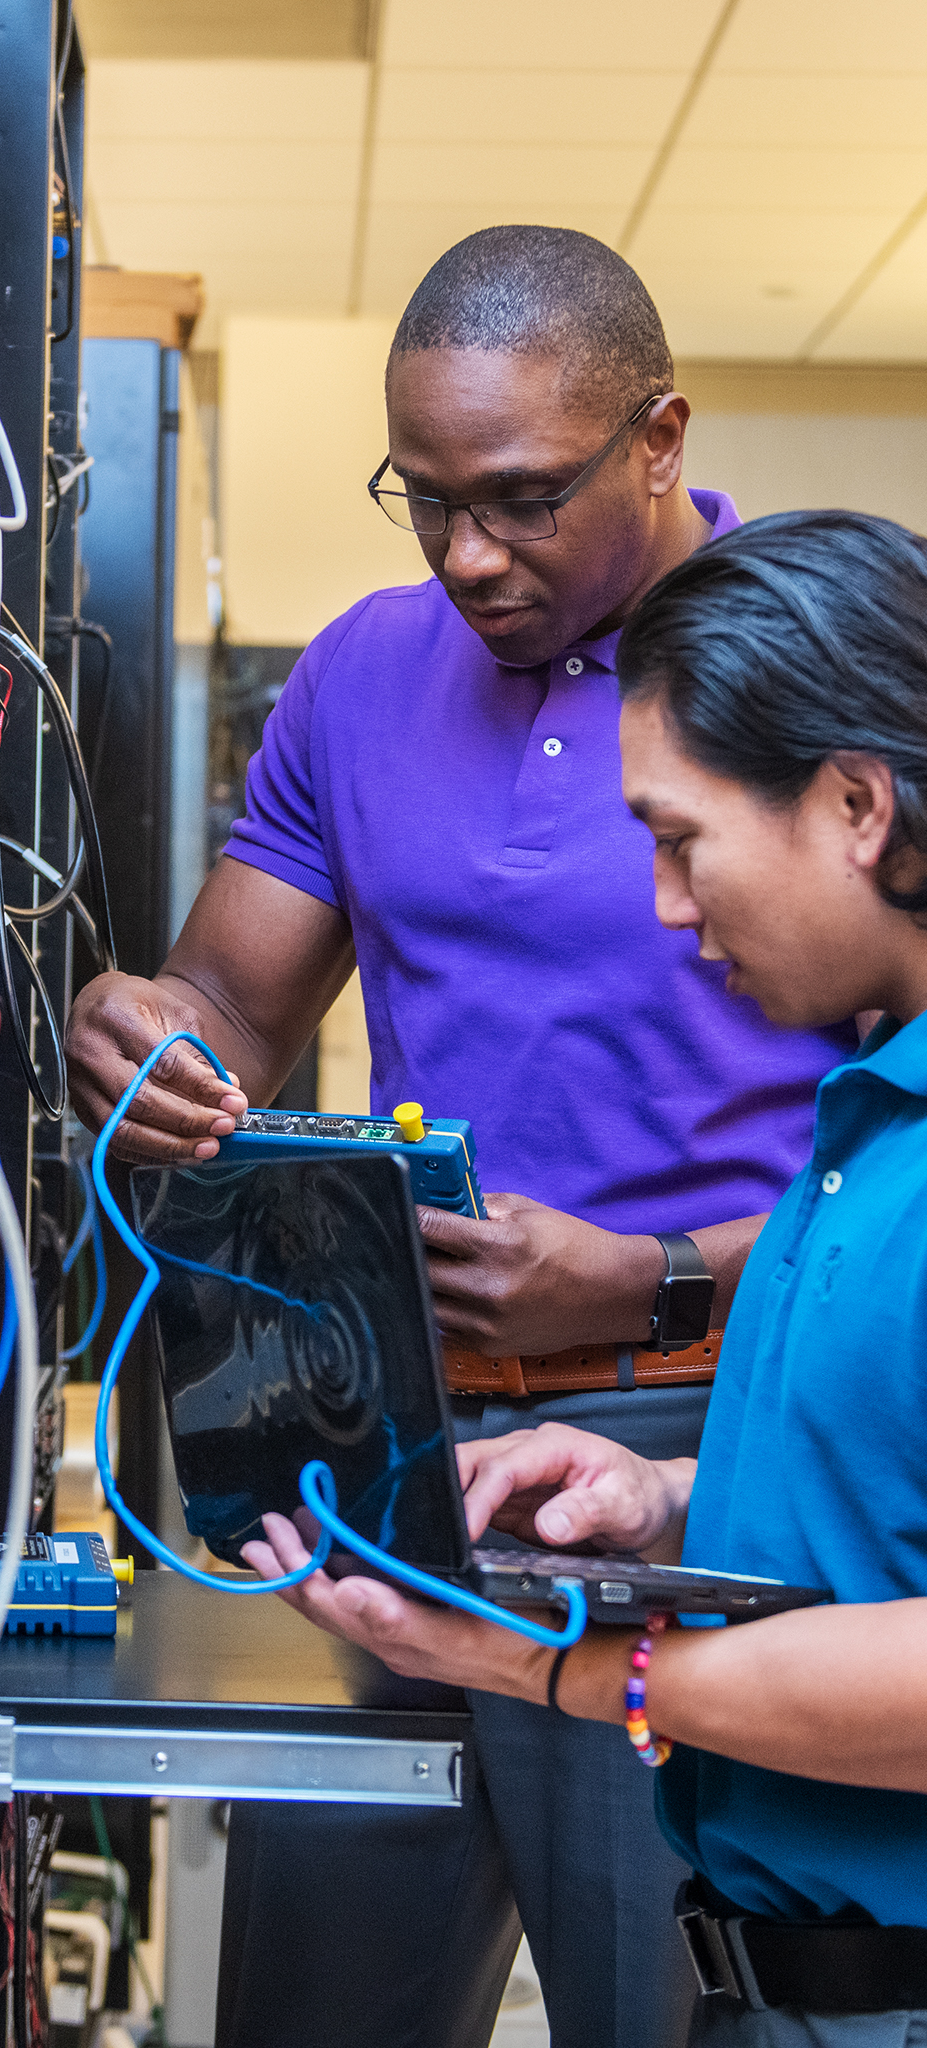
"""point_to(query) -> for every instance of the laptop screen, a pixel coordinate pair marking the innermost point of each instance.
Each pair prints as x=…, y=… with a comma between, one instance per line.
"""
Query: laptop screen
x=294, y=1321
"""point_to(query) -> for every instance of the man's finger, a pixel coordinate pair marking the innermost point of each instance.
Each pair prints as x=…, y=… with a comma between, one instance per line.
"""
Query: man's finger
x=158, y=1108
x=574, y=1515
x=532, y=1469
x=472, y=1456
x=285, y=1541
x=185, y=1070
x=140, y=1144
x=461, y=1237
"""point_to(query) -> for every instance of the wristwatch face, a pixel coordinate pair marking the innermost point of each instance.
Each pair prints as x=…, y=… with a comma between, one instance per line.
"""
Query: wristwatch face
x=684, y=1308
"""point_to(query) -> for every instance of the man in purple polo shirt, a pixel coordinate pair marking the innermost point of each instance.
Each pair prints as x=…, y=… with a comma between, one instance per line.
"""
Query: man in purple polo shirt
x=438, y=793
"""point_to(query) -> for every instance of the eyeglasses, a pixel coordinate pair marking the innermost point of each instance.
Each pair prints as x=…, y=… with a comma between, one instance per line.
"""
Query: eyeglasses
x=514, y=519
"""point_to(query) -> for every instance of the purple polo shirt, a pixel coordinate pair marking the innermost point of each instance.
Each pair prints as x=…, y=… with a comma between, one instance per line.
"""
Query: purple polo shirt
x=467, y=817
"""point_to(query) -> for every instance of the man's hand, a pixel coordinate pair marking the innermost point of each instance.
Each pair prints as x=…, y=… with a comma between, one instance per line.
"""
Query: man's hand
x=416, y=1639
x=532, y=1279
x=183, y=1109
x=791, y=1694
x=253, y=972
x=566, y=1486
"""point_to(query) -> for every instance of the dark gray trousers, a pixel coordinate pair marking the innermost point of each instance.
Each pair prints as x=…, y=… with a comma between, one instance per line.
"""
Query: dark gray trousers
x=353, y=1927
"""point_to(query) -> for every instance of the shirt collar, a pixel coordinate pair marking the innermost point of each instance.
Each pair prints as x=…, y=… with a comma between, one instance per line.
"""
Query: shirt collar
x=894, y=1052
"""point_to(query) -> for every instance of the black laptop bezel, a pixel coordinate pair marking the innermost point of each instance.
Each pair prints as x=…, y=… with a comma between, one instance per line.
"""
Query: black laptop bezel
x=621, y=1590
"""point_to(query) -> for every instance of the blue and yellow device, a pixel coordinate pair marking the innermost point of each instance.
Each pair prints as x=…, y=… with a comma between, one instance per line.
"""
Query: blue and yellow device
x=441, y=1155
x=67, y=1585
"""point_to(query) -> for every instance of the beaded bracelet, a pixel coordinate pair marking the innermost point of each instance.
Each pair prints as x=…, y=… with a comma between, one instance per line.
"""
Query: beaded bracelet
x=652, y=1750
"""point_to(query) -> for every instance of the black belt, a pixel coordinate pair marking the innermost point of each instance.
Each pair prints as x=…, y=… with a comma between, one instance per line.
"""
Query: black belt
x=836, y=1966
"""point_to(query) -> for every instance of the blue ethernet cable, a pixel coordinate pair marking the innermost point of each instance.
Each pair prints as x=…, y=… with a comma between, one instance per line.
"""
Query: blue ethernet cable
x=316, y=1480
x=9, y=1326
x=312, y=1487
x=89, y=1226
x=127, y=1331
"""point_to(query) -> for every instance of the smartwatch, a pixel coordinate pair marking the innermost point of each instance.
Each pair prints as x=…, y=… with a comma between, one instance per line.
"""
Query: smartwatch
x=682, y=1310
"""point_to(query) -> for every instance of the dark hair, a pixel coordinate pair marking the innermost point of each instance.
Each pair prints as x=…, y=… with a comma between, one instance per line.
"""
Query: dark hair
x=551, y=289
x=788, y=641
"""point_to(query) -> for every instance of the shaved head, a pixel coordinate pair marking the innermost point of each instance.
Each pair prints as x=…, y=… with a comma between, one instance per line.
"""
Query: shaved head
x=536, y=290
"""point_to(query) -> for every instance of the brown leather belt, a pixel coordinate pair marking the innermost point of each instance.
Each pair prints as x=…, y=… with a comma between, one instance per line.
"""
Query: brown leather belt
x=585, y=1367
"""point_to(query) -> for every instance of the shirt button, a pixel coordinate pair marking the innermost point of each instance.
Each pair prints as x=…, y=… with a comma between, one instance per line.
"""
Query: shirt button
x=553, y=746
x=832, y=1182
x=574, y=666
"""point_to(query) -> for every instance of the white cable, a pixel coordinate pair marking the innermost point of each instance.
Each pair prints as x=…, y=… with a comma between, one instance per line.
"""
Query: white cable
x=19, y=1506
x=10, y=522
x=71, y=475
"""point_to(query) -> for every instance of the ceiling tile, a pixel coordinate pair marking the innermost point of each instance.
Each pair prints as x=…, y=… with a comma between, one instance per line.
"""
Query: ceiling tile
x=725, y=288
x=254, y=257
x=791, y=111
x=234, y=174
x=702, y=319
x=404, y=241
x=804, y=150
x=763, y=245
x=524, y=35
x=826, y=36
x=224, y=100
x=540, y=179
x=224, y=28
x=842, y=180
x=889, y=323
x=475, y=106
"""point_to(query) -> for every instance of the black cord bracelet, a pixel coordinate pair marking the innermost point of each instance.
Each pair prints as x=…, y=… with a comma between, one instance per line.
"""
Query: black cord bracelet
x=554, y=1680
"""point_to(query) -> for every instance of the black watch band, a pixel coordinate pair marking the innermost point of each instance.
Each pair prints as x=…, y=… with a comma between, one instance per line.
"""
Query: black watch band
x=682, y=1309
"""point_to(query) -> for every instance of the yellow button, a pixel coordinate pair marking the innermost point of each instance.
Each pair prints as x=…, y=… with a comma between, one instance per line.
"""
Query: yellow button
x=408, y=1115
x=124, y=1570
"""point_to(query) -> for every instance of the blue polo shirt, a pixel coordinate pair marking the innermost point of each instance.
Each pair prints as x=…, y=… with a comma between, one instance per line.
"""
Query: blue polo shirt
x=813, y=1468
x=467, y=817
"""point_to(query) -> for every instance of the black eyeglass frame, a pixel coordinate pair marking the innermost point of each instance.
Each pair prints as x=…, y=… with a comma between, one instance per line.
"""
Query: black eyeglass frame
x=550, y=505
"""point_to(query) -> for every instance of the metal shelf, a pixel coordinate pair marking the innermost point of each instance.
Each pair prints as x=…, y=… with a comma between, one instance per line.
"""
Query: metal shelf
x=206, y=1695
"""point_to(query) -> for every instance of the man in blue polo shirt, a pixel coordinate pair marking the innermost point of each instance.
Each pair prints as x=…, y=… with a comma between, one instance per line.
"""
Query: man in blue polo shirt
x=438, y=794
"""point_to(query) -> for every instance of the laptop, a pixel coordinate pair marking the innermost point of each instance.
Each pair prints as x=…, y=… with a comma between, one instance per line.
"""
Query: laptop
x=294, y=1321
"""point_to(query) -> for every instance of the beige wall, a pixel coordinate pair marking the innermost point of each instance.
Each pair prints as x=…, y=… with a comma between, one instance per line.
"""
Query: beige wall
x=778, y=437
x=303, y=427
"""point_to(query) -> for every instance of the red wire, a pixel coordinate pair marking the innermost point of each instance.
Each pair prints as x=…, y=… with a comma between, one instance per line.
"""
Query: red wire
x=5, y=700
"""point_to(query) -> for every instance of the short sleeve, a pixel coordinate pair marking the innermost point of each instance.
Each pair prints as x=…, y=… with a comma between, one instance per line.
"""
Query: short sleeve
x=280, y=832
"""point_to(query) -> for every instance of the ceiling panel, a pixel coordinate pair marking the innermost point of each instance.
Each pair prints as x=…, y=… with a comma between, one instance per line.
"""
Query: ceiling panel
x=862, y=182
x=245, y=172
x=404, y=241
x=277, y=262
x=781, y=173
x=765, y=244
x=890, y=320
x=540, y=178
x=701, y=320
x=827, y=36
x=784, y=111
x=531, y=106
x=225, y=28
x=722, y=293
x=525, y=35
x=233, y=174
x=226, y=100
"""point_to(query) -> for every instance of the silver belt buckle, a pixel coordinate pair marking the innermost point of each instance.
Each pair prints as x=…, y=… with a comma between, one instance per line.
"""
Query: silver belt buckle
x=718, y=1955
